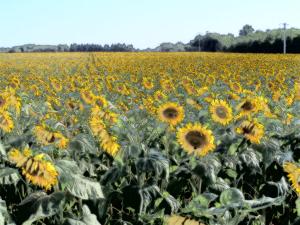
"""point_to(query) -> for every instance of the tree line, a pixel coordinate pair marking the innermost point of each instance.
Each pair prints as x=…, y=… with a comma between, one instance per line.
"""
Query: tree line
x=248, y=40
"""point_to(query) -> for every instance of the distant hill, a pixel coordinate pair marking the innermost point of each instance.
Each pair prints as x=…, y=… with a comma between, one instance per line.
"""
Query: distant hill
x=36, y=48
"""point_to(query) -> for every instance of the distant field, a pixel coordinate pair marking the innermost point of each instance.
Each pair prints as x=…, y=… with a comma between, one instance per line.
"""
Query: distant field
x=142, y=135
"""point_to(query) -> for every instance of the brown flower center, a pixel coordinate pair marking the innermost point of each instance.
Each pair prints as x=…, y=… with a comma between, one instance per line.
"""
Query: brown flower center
x=52, y=139
x=196, y=139
x=2, y=102
x=248, y=129
x=99, y=102
x=221, y=112
x=247, y=106
x=170, y=113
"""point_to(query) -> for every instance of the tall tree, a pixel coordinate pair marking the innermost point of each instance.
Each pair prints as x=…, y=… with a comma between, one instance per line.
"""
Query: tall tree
x=247, y=29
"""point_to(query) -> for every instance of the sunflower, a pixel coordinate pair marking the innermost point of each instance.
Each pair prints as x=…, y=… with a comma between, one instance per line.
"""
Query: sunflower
x=6, y=122
x=293, y=174
x=148, y=104
x=108, y=143
x=9, y=99
x=193, y=103
x=248, y=107
x=73, y=105
x=159, y=95
x=147, y=83
x=171, y=113
x=201, y=91
x=35, y=168
x=15, y=82
x=221, y=112
x=236, y=87
x=105, y=115
x=96, y=125
x=87, y=96
x=46, y=137
x=4, y=104
x=100, y=101
x=167, y=85
x=56, y=85
x=252, y=130
x=196, y=139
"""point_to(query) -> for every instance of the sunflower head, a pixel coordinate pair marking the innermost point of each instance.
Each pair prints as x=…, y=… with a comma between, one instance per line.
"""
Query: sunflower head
x=221, y=112
x=87, y=96
x=6, y=122
x=251, y=130
x=196, y=139
x=3, y=102
x=35, y=168
x=293, y=174
x=248, y=107
x=100, y=101
x=171, y=113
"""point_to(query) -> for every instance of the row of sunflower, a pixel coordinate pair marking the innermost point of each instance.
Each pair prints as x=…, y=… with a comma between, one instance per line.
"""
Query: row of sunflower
x=133, y=122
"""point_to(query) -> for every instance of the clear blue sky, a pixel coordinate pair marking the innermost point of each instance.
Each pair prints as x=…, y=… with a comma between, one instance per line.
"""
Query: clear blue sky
x=144, y=23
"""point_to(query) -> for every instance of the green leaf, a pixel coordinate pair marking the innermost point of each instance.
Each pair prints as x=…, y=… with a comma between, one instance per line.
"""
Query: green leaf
x=298, y=206
x=82, y=144
x=39, y=205
x=154, y=162
x=232, y=173
x=70, y=179
x=232, y=196
x=251, y=158
x=4, y=216
x=88, y=218
x=9, y=176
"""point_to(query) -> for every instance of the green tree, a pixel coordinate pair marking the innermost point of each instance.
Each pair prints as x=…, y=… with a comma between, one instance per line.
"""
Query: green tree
x=247, y=29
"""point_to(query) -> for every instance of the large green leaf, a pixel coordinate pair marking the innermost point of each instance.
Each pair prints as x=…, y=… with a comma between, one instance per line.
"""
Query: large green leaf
x=87, y=218
x=70, y=179
x=9, y=176
x=4, y=216
x=39, y=205
x=82, y=144
x=154, y=162
x=231, y=196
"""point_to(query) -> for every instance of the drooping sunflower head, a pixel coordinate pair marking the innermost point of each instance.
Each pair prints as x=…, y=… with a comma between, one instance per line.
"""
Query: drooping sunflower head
x=46, y=137
x=6, y=122
x=171, y=113
x=196, y=139
x=293, y=174
x=251, y=130
x=35, y=168
x=221, y=112
x=15, y=82
x=3, y=102
x=108, y=143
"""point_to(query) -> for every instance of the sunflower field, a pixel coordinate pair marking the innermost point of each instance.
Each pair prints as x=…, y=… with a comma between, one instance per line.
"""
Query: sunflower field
x=149, y=138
